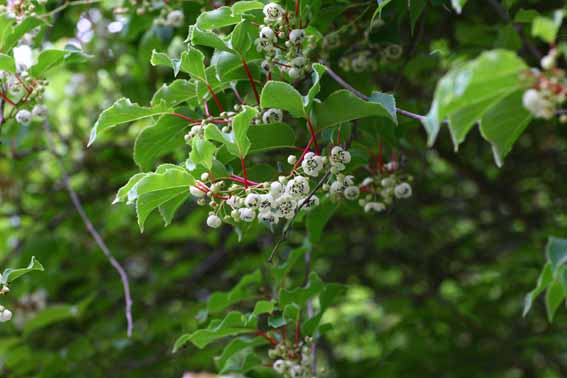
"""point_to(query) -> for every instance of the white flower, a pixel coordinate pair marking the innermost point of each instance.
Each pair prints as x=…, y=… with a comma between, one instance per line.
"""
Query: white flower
x=285, y=206
x=266, y=33
x=232, y=202
x=340, y=155
x=276, y=189
x=272, y=116
x=548, y=61
x=266, y=203
x=273, y=11
x=292, y=159
x=299, y=63
x=175, y=18
x=297, y=36
x=252, y=200
x=297, y=187
x=403, y=190
x=309, y=204
x=214, y=221
x=351, y=192
x=196, y=192
x=294, y=73
x=24, y=117
x=312, y=164
x=264, y=44
x=279, y=366
x=5, y=315
x=388, y=182
x=367, y=182
x=374, y=206
x=268, y=217
x=537, y=104
x=266, y=66
x=246, y=214
x=337, y=187
x=39, y=111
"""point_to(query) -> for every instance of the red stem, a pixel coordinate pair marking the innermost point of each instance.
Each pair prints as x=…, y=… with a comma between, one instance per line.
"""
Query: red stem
x=206, y=106
x=239, y=179
x=251, y=79
x=271, y=340
x=184, y=117
x=302, y=155
x=312, y=131
x=243, y=164
x=212, y=92
x=7, y=99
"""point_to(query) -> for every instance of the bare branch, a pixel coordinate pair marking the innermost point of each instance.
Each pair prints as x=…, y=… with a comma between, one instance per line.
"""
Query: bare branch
x=92, y=230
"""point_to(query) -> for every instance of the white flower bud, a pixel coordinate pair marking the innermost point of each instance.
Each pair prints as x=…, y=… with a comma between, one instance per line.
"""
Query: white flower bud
x=196, y=192
x=273, y=11
x=246, y=214
x=403, y=190
x=351, y=192
x=297, y=36
x=39, y=111
x=5, y=315
x=292, y=159
x=23, y=117
x=276, y=189
x=175, y=18
x=214, y=221
x=374, y=206
x=204, y=176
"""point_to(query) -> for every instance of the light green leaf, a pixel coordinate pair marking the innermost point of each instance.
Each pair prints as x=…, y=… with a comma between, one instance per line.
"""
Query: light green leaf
x=270, y=136
x=556, y=251
x=192, y=62
x=217, y=18
x=157, y=140
x=241, y=7
x=280, y=95
x=243, y=36
x=318, y=71
x=387, y=101
x=122, y=194
x=225, y=361
x=263, y=307
x=300, y=295
x=543, y=281
x=547, y=28
x=492, y=75
x=503, y=124
x=154, y=190
x=7, y=63
x=343, y=106
x=177, y=92
x=234, y=323
x=10, y=275
x=553, y=297
x=198, y=37
x=124, y=111
x=162, y=59
x=49, y=59
x=221, y=300
x=203, y=152
x=240, y=124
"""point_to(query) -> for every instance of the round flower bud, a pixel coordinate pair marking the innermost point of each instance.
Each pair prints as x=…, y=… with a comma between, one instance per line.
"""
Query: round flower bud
x=351, y=192
x=276, y=189
x=292, y=159
x=5, y=315
x=204, y=176
x=294, y=73
x=297, y=36
x=272, y=116
x=24, y=117
x=175, y=18
x=196, y=192
x=374, y=206
x=214, y=221
x=403, y=190
x=39, y=111
x=267, y=33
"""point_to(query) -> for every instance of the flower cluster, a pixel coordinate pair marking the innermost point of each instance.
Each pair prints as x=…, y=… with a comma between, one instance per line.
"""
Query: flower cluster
x=381, y=190
x=284, y=46
x=549, y=91
x=20, y=9
x=237, y=199
x=5, y=314
x=293, y=361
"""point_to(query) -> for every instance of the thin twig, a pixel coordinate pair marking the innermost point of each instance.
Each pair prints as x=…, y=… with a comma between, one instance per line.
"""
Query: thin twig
x=361, y=95
x=287, y=227
x=92, y=230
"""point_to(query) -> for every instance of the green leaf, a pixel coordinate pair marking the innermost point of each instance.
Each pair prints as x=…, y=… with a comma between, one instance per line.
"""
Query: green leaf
x=263, y=307
x=270, y=136
x=156, y=189
x=225, y=361
x=240, y=124
x=10, y=275
x=217, y=18
x=318, y=71
x=122, y=194
x=503, y=124
x=492, y=75
x=553, y=297
x=50, y=315
x=387, y=101
x=177, y=92
x=343, y=106
x=280, y=95
x=234, y=323
x=192, y=62
x=458, y=5
x=300, y=295
x=326, y=299
x=318, y=218
x=49, y=59
x=243, y=36
x=543, y=281
x=203, y=152
x=124, y=111
x=159, y=139
x=547, y=28
x=199, y=37
x=556, y=251
x=7, y=63
x=221, y=300
x=162, y=59
x=10, y=36
x=241, y=7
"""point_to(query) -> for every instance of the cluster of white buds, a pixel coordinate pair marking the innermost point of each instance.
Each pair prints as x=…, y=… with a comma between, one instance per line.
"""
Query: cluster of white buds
x=293, y=361
x=549, y=91
x=282, y=44
x=382, y=190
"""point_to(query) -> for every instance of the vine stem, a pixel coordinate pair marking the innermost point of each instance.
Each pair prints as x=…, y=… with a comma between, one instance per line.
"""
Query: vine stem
x=188, y=119
x=251, y=80
x=313, y=136
x=92, y=230
x=214, y=95
x=361, y=95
